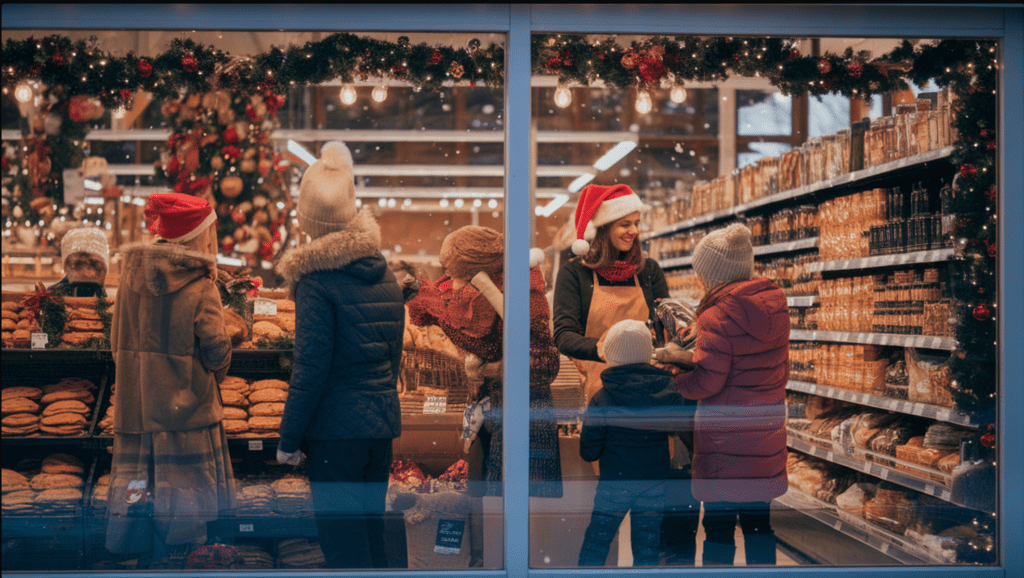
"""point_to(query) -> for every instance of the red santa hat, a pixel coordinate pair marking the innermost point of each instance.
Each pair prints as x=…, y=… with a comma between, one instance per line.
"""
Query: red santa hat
x=599, y=205
x=178, y=218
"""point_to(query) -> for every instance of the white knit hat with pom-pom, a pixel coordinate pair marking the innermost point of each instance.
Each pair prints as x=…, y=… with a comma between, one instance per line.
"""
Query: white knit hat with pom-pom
x=724, y=255
x=327, y=193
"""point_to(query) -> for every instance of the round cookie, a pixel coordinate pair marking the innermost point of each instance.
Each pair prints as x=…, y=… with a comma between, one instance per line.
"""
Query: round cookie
x=66, y=406
x=33, y=393
x=267, y=410
x=268, y=395
x=231, y=412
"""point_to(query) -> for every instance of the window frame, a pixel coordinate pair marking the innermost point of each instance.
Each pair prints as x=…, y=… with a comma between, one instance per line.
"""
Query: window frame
x=518, y=22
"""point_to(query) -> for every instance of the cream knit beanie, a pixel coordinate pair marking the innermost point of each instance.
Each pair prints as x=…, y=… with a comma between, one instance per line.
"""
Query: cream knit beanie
x=327, y=193
x=89, y=240
x=724, y=255
x=628, y=341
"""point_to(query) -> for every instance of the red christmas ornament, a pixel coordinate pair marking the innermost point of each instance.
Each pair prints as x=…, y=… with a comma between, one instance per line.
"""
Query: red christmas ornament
x=793, y=55
x=856, y=69
x=989, y=438
x=238, y=217
x=250, y=112
x=982, y=312
x=435, y=58
x=824, y=66
x=173, y=165
x=227, y=246
x=230, y=135
x=987, y=133
x=4, y=164
x=968, y=171
x=58, y=59
x=144, y=68
x=990, y=145
x=267, y=250
x=651, y=70
x=277, y=235
x=126, y=94
x=991, y=249
x=189, y=63
x=991, y=195
x=232, y=152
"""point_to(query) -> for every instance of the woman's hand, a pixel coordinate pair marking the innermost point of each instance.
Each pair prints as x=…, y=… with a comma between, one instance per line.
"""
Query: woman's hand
x=673, y=369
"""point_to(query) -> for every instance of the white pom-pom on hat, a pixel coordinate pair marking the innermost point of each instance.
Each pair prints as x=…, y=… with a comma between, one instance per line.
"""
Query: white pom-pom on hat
x=327, y=194
x=580, y=247
x=536, y=257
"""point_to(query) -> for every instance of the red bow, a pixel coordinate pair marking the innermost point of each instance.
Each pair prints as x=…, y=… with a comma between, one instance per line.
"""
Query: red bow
x=34, y=302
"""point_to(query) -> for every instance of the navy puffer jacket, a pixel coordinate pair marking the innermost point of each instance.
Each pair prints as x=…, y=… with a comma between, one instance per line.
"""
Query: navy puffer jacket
x=349, y=321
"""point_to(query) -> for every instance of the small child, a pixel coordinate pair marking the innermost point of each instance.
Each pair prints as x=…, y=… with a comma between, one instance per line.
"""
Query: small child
x=86, y=256
x=626, y=428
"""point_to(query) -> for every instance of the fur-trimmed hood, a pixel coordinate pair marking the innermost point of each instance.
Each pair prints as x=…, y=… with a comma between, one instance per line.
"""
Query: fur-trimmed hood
x=361, y=238
x=164, y=268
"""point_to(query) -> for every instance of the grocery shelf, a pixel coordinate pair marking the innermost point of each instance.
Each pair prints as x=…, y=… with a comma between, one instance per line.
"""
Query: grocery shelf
x=900, y=259
x=859, y=461
x=922, y=341
x=802, y=300
x=881, y=539
x=849, y=180
x=898, y=405
x=798, y=245
x=790, y=246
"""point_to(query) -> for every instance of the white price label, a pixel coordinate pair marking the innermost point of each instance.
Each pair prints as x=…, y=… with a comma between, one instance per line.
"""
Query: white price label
x=884, y=474
x=246, y=528
x=435, y=404
x=39, y=340
x=837, y=525
x=262, y=306
x=867, y=468
x=929, y=489
x=813, y=389
x=830, y=456
x=885, y=547
x=943, y=414
x=255, y=445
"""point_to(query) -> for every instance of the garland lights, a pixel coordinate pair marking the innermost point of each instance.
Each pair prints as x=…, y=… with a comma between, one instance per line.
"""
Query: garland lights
x=968, y=67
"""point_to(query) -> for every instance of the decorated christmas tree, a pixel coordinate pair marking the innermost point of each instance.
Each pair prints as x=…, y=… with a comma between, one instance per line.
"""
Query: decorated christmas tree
x=220, y=150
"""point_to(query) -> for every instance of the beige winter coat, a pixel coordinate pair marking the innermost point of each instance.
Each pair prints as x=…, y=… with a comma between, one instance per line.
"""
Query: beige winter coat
x=168, y=340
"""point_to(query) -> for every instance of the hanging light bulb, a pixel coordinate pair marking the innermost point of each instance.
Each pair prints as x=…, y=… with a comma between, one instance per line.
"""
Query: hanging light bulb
x=23, y=92
x=643, y=102
x=563, y=96
x=678, y=94
x=348, y=94
x=380, y=93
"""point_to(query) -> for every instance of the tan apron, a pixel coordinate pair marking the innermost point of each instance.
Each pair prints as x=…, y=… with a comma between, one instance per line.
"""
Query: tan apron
x=608, y=306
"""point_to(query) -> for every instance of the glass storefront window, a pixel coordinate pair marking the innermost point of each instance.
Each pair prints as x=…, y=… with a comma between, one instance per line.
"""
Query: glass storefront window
x=765, y=457
x=385, y=478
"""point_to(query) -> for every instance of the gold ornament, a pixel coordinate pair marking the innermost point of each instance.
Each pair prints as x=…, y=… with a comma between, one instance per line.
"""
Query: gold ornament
x=231, y=187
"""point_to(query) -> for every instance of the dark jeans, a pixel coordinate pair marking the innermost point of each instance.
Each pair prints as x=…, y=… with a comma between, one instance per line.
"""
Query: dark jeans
x=349, y=481
x=720, y=529
x=644, y=500
x=678, y=546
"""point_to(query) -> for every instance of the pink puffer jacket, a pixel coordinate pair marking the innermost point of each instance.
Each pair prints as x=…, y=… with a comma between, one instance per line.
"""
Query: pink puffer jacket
x=742, y=366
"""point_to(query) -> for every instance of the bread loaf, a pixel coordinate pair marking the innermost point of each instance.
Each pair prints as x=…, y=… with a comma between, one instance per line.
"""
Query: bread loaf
x=266, y=410
x=20, y=419
x=33, y=393
x=269, y=384
x=19, y=405
x=81, y=395
x=236, y=413
x=78, y=339
x=62, y=464
x=235, y=426
x=55, y=481
x=267, y=395
x=84, y=325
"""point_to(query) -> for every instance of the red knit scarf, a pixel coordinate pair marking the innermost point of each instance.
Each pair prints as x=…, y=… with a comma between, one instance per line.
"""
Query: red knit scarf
x=618, y=271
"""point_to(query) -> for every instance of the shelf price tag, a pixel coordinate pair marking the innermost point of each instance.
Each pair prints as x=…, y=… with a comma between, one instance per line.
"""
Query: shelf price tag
x=255, y=445
x=435, y=404
x=263, y=306
x=246, y=528
x=837, y=525
x=39, y=340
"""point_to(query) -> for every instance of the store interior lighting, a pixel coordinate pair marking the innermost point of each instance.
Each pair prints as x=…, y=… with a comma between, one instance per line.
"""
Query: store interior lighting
x=299, y=151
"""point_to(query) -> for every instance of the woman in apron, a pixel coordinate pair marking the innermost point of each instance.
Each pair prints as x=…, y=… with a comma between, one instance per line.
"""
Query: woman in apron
x=608, y=281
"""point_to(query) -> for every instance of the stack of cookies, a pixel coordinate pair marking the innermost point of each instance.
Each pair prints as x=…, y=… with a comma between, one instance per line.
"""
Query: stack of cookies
x=83, y=325
x=256, y=498
x=256, y=558
x=18, y=496
x=233, y=392
x=67, y=406
x=59, y=484
x=21, y=411
x=266, y=399
x=18, y=324
x=300, y=553
x=100, y=494
x=106, y=424
x=292, y=495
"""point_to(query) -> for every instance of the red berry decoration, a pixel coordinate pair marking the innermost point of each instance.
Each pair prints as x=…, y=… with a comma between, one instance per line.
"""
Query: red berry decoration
x=126, y=94
x=267, y=250
x=189, y=63
x=982, y=312
x=58, y=59
x=856, y=69
x=227, y=246
x=435, y=58
x=990, y=145
x=824, y=66
x=968, y=171
x=989, y=438
x=987, y=133
x=144, y=68
x=238, y=217
x=991, y=195
x=991, y=249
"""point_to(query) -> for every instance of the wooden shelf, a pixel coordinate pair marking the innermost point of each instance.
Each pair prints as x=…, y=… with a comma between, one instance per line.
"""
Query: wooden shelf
x=849, y=180
x=884, y=339
x=914, y=258
x=877, y=537
x=898, y=405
